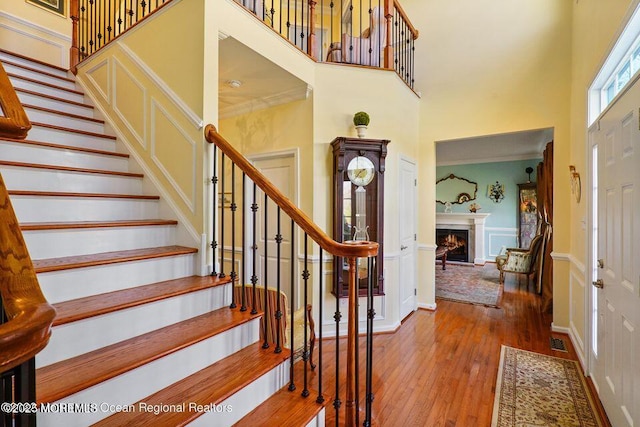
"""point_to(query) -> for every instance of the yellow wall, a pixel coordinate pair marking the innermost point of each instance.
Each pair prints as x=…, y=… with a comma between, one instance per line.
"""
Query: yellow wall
x=158, y=118
x=488, y=67
x=35, y=32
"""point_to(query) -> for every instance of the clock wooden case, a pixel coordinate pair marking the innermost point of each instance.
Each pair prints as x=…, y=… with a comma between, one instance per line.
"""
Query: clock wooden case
x=345, y=150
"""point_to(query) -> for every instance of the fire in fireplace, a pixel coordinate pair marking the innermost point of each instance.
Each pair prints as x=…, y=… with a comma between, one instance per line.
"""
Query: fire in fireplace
x=457, y=241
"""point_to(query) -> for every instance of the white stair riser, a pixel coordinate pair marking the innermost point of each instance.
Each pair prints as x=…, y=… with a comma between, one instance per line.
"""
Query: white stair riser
x=46, y=90
x=74, y=139
x=41, y=209
x=19, y=152
x=319, y=420
x=66, y=285
x=246, y=399
x=38, y=76
x=27, y=98
x=31, y=64
x=64, y=121
x=81, y=241
x=135, y=385
x=22, y=178
x=86, y=335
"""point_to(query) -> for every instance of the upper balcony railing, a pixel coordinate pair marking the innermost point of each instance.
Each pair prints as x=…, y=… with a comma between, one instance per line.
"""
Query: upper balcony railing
x=371, y=33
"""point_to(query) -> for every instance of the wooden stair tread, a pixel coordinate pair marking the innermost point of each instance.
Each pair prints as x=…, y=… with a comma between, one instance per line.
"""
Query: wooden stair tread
x=105, y=258
x=54, y=98
x=93, y=195
x=35, y=70
x=62, y=113
x=211, y=385
x=70, y=169
x=65, y=147
x=31, y=226
x=65, y=129
x=69, y=376
x=36, y=61
x=95, y=305
x=284, y=409
x=30, y=80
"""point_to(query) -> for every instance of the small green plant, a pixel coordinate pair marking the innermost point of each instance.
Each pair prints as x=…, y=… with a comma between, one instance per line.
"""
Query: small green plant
x=361, y=119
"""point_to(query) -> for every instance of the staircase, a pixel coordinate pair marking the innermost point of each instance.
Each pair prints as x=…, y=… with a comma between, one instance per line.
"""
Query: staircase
x=139, y=338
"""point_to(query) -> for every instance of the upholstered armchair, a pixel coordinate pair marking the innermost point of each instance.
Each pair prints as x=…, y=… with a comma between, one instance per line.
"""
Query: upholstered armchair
x=272, y=323
x=363, y=50
x=521, y=261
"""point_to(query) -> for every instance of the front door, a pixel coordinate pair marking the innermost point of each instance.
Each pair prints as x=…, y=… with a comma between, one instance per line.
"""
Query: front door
x=615, y=296
x=407, y=228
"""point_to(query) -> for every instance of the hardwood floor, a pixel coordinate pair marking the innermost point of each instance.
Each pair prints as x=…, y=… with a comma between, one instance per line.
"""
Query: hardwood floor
x=440, y=368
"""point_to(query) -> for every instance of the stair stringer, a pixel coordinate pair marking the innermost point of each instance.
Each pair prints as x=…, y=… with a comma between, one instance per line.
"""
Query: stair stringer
x=186, y=234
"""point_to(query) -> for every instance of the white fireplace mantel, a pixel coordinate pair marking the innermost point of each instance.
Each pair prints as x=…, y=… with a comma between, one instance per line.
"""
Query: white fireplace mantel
x=474, y=222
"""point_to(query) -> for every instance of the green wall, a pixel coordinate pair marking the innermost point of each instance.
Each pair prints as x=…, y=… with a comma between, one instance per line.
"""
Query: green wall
x=501, y=225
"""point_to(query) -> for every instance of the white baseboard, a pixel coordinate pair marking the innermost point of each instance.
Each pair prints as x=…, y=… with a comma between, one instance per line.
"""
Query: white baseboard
x=425, y=306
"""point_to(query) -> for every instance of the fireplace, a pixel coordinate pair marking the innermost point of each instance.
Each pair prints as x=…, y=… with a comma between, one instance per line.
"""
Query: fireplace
x=456, y=240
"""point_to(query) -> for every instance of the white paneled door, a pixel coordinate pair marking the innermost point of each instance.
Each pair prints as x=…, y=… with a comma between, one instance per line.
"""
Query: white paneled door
x=280, y=169
x=615, y=296
x=407, y=232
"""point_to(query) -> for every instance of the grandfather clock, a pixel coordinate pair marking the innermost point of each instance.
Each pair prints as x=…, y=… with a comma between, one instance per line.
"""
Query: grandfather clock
x=358, y=206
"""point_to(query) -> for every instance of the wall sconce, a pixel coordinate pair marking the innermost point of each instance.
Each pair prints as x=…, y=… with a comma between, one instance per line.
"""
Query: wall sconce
x=496, y=192
x=576, y=186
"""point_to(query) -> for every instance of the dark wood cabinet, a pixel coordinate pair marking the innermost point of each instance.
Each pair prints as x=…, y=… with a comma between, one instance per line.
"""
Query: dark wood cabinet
x=358, y=210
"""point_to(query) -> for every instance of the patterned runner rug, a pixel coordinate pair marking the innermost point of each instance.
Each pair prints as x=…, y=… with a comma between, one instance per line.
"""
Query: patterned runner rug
x=538, y=390
x=472, y=285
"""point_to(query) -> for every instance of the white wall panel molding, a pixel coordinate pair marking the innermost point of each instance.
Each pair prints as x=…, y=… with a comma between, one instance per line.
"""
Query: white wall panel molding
x=194, y=118
x=187, y=195
x=139, y=134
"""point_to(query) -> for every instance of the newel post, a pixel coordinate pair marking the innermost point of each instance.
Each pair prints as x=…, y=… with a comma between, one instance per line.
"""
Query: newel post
x=352, y=343
x=74, y=51
x=311, y=41
x=388, y=48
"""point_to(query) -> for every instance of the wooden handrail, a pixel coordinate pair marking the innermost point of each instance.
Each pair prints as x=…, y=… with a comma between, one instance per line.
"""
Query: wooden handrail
x=14, y=123
x=404, y=15
x=358, y=249
x=29, y=316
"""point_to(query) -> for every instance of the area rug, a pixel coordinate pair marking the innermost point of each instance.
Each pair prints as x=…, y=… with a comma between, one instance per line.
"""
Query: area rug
x=472, y=285
x=538, y=390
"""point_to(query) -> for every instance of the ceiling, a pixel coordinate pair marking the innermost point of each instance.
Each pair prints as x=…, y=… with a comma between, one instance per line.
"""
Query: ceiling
x=263, y=84
x=493, y=148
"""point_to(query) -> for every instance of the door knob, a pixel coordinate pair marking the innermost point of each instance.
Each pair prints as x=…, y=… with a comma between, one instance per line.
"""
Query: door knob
x=598, y=284
x=402, y=248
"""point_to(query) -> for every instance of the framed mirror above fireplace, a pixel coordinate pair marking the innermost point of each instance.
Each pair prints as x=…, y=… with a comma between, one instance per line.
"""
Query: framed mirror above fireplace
x=455, y=190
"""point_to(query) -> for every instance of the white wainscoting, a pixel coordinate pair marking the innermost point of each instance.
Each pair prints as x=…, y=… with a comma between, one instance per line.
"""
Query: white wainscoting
x=27, y=38
x=497, y=237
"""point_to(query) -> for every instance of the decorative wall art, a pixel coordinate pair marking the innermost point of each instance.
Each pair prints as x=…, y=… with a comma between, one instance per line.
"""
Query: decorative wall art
x=55, y=6
x=576, y=186
x=496, y=192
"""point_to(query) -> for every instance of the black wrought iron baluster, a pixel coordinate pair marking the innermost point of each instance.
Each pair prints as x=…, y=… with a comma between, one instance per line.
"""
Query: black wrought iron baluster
x=90, y=25
x=130, y=13
x=413, y=61
x=288, y=19
x=149, y=10
x=371, y=62
x=119, y=20
x=223, y=174
x=143, y=5
x=234, y=208
x=302, y=45
x=320, y=398
x=295, y=26
x=109, y=28
x=360, y=33
x=331, y=45
x=265, y=233
x=322, y=56
x=273, y=12
x=292, y=385
x=82, y=29
x=396, y=23
x=243, y=294
x=278, y=277
x=405, y=35
x=305, y=347
x=337, y=403
x=351, y=53
x=254, y=250
x=214, y=223
x=98, y=25
x=369, y=368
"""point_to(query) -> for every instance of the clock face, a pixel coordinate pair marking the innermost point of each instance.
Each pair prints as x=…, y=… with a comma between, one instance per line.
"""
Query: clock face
x=361, y=171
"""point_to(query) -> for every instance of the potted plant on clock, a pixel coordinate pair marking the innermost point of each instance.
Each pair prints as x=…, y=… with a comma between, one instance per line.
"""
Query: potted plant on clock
x=361, y=121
